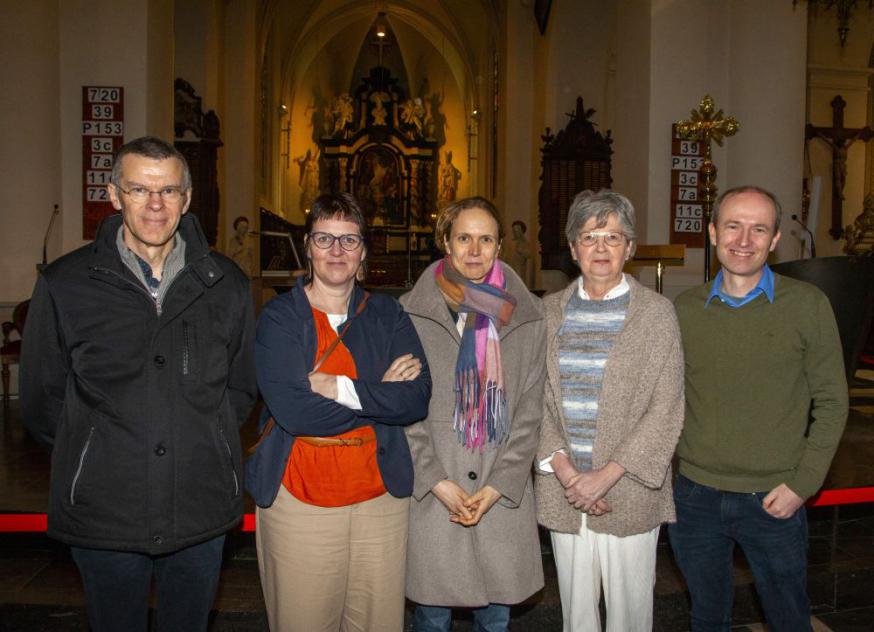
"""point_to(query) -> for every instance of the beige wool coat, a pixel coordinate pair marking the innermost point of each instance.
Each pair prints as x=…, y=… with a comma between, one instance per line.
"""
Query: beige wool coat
x=640, y=416
x=498, y=560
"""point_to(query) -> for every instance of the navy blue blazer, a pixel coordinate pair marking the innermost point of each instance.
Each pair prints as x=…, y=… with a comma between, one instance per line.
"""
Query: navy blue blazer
x=285, y=351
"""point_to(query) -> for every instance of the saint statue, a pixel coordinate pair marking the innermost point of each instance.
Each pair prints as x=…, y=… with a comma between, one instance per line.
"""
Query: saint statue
x=239, y=248
x=309, y=178
x=449, y=177
x=519, y=255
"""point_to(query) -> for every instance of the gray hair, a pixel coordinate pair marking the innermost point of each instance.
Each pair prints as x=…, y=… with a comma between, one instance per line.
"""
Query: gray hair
x=747, y=188
x=601, y=206
x=154, y=148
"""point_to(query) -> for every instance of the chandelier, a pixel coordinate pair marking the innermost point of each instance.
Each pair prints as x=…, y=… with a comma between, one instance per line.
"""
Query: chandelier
x=844, y=10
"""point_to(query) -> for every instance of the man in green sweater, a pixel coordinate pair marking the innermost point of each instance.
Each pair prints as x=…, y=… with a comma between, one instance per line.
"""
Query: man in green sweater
x=766, y=403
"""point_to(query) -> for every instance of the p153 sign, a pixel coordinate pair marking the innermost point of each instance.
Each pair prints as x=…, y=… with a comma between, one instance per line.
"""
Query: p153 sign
x=102, y=135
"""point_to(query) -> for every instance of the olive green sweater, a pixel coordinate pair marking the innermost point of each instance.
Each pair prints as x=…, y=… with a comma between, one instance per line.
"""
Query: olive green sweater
x=755, y=376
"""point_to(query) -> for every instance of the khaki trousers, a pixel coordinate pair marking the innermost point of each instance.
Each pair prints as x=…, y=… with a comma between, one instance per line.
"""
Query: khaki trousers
x=330, y=569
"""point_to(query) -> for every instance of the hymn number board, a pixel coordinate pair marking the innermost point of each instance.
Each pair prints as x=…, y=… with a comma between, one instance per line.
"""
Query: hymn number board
x=102, y=135
x=687, y=209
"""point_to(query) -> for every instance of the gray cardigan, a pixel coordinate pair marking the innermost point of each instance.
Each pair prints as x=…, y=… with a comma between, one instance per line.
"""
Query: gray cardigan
x=640, y=416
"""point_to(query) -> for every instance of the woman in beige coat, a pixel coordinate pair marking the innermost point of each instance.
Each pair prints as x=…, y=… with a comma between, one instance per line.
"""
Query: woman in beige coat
x=473, y=535
x=613, y=411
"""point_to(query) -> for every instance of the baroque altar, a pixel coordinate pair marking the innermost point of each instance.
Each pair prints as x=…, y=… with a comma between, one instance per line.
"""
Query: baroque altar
x=378, y=144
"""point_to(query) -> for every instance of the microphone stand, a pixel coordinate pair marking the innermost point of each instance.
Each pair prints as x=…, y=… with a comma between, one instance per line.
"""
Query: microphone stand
x=810, y=234
x=41, y=266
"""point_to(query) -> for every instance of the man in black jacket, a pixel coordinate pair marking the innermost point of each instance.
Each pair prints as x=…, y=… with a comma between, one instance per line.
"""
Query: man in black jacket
x=137, y=371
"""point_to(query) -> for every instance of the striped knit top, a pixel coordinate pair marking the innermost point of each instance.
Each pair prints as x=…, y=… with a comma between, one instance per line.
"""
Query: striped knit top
x=584, y=341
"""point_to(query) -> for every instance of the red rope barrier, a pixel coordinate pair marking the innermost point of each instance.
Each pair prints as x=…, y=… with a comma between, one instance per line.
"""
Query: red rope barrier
x=850, y=496
x=12, y=523
x=37, y=523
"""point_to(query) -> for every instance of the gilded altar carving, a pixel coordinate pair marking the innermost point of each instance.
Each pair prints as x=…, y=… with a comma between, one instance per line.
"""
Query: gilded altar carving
x=860, y=234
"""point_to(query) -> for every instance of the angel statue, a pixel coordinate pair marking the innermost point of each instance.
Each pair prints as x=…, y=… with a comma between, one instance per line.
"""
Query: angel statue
x=342, y=111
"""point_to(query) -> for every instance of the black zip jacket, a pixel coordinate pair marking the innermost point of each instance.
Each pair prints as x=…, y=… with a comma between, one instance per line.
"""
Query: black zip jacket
x=141, y=409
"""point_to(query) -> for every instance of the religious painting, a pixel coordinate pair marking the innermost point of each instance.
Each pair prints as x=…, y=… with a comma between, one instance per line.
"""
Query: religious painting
x=378, y=187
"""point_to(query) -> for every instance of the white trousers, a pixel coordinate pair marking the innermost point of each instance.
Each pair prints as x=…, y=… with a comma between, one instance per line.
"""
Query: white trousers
x=625, y=566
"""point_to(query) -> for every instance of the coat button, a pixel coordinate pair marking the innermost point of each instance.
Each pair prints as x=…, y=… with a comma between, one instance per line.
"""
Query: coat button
x=381, y=451
x=160, y=361
x=160, y=450
x=471, y=475
x=158, y=540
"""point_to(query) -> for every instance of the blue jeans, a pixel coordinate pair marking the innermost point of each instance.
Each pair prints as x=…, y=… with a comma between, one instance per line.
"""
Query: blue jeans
x=709, y=523
x=492, y=618
x=117, y=587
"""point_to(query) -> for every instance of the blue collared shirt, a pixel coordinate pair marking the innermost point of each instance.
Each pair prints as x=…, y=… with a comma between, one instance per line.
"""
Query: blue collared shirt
x=764, y=286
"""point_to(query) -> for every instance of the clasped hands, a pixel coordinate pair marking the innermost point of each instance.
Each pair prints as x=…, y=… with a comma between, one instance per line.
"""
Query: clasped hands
x=403, y=369
x=586, y=490
x=463, y=509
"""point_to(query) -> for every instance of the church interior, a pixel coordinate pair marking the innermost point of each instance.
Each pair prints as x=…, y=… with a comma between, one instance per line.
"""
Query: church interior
x=412, y=104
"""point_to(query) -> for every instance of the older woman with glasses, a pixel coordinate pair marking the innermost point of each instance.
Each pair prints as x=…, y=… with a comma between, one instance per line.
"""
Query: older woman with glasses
x=341, y=373
x=613, y=411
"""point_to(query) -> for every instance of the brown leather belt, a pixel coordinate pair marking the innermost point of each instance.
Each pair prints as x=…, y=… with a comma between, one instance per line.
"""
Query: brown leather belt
x=327, y=442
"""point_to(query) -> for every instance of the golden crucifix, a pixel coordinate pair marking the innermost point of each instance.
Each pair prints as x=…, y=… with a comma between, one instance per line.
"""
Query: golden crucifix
x=703, y=126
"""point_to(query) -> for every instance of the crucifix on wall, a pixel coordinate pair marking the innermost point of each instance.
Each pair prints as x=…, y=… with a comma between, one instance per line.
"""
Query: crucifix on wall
x=839, y=139
x=382, y=39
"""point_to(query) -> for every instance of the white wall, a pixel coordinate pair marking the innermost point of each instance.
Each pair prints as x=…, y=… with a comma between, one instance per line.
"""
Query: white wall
x=239, y=112
x=100, y=44
x=29, y=129
x=49, y=51
x=750, y=57
x=518, y=161
x=632, y=113
x=769, y=149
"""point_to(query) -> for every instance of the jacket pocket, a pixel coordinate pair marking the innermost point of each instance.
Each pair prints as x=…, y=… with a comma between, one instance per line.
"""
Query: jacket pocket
x=229, y=456
x=186, y=348
x=189, y=356
x=80, y=465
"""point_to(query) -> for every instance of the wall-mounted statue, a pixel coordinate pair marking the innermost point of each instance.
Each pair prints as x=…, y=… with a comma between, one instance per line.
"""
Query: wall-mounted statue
x=320, y=117
x=308, y=179
x=433, y=121
x=239, y=247
x=449, y=178
x=413, y=115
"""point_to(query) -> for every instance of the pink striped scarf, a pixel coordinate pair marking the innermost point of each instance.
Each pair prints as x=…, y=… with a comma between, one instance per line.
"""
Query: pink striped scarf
x=480, y=399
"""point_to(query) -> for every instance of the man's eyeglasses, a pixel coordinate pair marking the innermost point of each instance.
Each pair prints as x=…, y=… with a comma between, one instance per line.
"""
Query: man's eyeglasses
x=171, y=195
x=610, y=238
x=326, y=240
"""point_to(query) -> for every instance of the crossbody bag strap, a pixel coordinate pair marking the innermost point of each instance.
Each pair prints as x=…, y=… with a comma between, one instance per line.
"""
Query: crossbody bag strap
x=268, y=427
x=340, y=334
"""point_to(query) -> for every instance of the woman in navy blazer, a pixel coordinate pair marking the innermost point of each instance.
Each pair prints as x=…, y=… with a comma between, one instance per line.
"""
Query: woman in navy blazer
x=325, y=566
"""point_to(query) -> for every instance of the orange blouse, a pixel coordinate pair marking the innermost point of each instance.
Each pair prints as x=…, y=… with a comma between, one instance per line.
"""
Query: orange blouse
x=334, y=476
